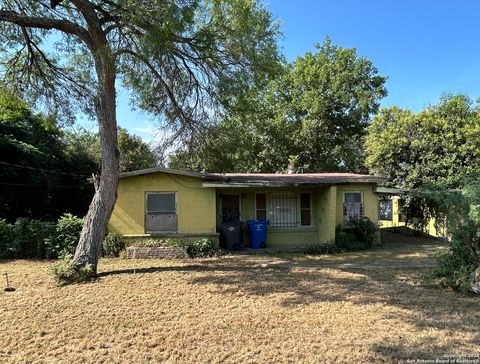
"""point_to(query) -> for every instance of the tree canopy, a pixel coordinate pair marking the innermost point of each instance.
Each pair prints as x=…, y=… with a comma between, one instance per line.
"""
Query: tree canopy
x=439, y=145
x=182, y=59
x=134, y=152
x=314, y=114
x=41, y=175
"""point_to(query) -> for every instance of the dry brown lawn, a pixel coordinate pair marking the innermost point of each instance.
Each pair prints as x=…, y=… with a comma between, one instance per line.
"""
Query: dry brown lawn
x=232, y=310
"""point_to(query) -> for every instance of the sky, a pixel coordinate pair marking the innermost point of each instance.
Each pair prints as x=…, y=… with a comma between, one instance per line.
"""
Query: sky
x=424, y=47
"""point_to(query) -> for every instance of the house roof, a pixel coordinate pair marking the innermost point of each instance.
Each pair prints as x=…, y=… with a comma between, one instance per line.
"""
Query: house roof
x=391, y=191
x=264, y=179
x=296, y=179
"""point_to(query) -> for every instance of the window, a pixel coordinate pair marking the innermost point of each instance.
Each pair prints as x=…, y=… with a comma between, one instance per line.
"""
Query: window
x=386, y=209
x=161, y=212
x=261, y=204
x=305, y=212
x=282, y=207
x=352, y=206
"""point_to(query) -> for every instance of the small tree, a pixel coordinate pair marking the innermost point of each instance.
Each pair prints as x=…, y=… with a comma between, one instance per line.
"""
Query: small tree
x=180, y=58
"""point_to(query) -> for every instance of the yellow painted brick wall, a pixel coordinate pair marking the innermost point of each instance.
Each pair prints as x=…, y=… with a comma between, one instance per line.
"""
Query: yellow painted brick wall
x=395, y=215
x=195, y=205
x=370, y=200
x=326, y=213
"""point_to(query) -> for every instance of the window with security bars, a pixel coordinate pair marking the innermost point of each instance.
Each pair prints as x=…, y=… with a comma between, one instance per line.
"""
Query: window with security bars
x=386, y=209
x=282, y=208
x=352, y=206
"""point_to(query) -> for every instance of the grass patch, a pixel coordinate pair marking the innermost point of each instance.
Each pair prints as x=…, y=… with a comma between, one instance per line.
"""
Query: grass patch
x=232, y=310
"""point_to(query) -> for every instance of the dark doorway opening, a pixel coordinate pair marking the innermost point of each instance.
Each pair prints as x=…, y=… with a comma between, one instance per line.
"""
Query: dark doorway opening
x=230, y=209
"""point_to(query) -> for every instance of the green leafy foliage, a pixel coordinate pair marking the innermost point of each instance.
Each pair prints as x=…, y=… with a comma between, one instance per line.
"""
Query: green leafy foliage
x=436, y=147
x=454, y=267
x=358, y=234
x=113, y=245
x=460, y=211
x=66, y=236
x=41, y=175
x=315, y=111
x=30, y=238
x=135, y=154
x=24, y=239
x=65, y=271
x=6, y=237
x=203, y=248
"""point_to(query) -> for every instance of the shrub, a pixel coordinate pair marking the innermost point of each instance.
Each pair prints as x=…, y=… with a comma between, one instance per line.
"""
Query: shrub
x=359, y=234
x=66, y=272
x=322, y=248
x=454, y=266
x=27, y=238
x=7, y=250
x=66, y=237
x=203, y=248
x=113, y=245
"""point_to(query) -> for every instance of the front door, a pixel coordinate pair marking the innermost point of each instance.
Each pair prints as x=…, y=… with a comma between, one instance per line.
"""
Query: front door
x=230, y=208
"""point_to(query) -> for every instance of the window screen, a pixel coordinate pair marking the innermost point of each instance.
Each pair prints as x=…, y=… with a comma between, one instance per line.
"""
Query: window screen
x=386, y=209
x=352, y=206
x=282, y=209
x=161, y=202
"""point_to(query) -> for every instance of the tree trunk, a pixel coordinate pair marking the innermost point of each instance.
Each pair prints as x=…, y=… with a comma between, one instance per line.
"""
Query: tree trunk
x=101, y=207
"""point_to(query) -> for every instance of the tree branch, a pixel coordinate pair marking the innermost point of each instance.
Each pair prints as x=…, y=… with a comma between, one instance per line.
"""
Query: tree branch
x=46, y=23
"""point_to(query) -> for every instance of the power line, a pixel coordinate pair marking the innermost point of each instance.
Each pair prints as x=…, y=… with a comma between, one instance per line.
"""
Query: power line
x=44, y=170
x=33, y=185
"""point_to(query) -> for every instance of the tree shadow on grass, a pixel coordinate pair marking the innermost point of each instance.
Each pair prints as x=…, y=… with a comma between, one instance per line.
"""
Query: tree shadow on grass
x=201, y=266
x=424, y=307
x=421, y=306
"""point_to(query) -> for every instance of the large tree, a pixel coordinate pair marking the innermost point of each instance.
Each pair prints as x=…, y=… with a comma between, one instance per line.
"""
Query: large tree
x=438, y=145
x=177, y=56
x=315, y=114
x=436, y=148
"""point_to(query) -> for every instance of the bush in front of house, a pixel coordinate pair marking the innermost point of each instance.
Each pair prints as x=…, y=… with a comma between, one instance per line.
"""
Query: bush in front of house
x=455, y=266
x=358, y=234
x=203, y=248
x=113, y=245
x=66, y=272
x=65, y=239
x=321, y=248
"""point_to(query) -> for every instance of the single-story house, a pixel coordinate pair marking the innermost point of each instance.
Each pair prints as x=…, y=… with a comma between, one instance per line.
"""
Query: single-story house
x=301, y=208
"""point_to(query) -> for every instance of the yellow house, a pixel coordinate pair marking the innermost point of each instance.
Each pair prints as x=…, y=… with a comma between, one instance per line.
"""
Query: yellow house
x=300, y=208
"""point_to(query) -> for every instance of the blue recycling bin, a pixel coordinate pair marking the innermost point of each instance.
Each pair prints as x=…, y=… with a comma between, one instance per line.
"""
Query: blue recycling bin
x=257, y=231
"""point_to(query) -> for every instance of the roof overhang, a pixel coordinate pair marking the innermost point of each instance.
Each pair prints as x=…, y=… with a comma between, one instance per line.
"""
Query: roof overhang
x=390, y=191
x=250, y=180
